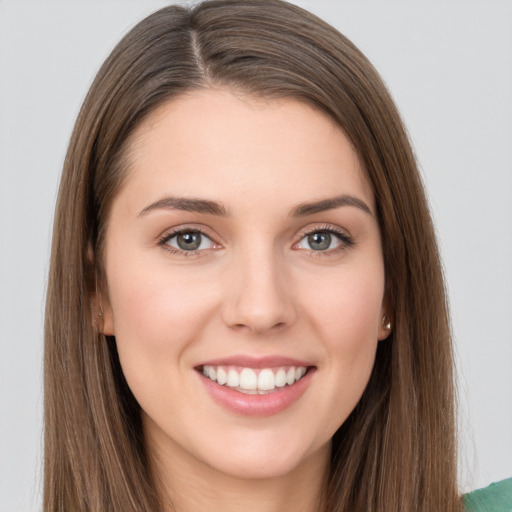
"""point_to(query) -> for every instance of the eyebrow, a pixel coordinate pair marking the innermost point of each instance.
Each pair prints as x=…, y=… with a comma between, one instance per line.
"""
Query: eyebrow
x=187, y=205
x=323, y=205
x=215, y=208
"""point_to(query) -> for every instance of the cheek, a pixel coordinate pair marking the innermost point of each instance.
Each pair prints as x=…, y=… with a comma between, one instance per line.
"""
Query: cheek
x=350, y=334
x=346, y=306
x=153, y=298
x=156, y=316
x=345, y=313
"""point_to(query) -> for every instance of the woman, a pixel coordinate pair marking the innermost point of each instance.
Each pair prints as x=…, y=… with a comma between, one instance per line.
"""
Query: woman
x=242, y=238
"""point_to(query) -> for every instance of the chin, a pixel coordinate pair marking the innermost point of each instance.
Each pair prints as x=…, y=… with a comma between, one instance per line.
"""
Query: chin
x=257, y=460
x=273, y=466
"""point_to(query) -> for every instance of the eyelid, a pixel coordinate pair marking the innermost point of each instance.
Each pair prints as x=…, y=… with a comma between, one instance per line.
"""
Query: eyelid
x=346, y=240
x=168, y=234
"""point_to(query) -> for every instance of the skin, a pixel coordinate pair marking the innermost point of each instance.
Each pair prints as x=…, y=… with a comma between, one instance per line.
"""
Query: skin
x=255, y=287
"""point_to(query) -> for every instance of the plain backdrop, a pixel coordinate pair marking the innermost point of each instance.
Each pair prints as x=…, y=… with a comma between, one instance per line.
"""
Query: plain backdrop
x=448, y=65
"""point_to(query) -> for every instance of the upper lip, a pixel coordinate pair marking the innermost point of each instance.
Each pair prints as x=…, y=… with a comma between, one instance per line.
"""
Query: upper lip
x=256, y=362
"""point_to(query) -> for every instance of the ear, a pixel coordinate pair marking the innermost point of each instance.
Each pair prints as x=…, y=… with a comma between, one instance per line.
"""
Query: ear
x=102, y=314
x=106, y=325
x=386, y=324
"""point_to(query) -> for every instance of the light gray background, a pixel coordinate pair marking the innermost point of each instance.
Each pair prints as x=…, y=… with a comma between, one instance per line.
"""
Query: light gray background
x=449, y=66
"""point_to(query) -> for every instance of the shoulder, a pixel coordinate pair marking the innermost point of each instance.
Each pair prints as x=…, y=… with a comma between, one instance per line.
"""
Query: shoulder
x=495, y=498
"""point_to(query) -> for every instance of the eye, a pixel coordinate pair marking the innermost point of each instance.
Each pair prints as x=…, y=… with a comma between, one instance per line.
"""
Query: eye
x=188, y=241
x=323, y=240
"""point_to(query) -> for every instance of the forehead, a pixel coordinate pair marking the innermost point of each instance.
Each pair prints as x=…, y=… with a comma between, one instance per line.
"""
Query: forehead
x=210, y=142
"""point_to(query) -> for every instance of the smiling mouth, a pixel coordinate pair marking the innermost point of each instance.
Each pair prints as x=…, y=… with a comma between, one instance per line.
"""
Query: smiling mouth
x=251, y=381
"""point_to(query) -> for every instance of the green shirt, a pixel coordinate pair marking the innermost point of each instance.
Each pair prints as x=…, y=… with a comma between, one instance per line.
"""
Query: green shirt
x=495, y=498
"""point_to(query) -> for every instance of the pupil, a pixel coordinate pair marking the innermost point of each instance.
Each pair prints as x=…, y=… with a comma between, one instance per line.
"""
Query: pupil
x=189, y=241
x=319, y=241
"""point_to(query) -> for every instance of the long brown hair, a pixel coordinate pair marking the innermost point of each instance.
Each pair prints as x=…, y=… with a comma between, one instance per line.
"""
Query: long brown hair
x=396, y=451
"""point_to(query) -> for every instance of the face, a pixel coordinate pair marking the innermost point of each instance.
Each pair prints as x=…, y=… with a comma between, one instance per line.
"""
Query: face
x=245, y=282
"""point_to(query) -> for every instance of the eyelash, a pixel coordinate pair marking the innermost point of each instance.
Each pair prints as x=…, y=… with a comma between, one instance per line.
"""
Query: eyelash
x=164, y=239
x=346, y=241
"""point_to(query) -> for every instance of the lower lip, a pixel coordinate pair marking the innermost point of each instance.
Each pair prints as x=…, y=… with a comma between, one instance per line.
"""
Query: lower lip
x=257, y=405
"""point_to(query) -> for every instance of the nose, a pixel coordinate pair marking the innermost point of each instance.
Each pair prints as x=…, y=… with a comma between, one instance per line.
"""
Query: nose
x=258, y=295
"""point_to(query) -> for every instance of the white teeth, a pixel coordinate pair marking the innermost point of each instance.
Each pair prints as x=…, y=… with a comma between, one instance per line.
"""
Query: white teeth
x=222, y=376
x=253, y=381
x=280, y=378
x=266, y=380
x=233, y=379
x=299, y=373
x=248, y=379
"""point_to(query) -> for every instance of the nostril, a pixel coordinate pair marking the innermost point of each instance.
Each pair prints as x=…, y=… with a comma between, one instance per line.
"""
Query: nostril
x=258, y=327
